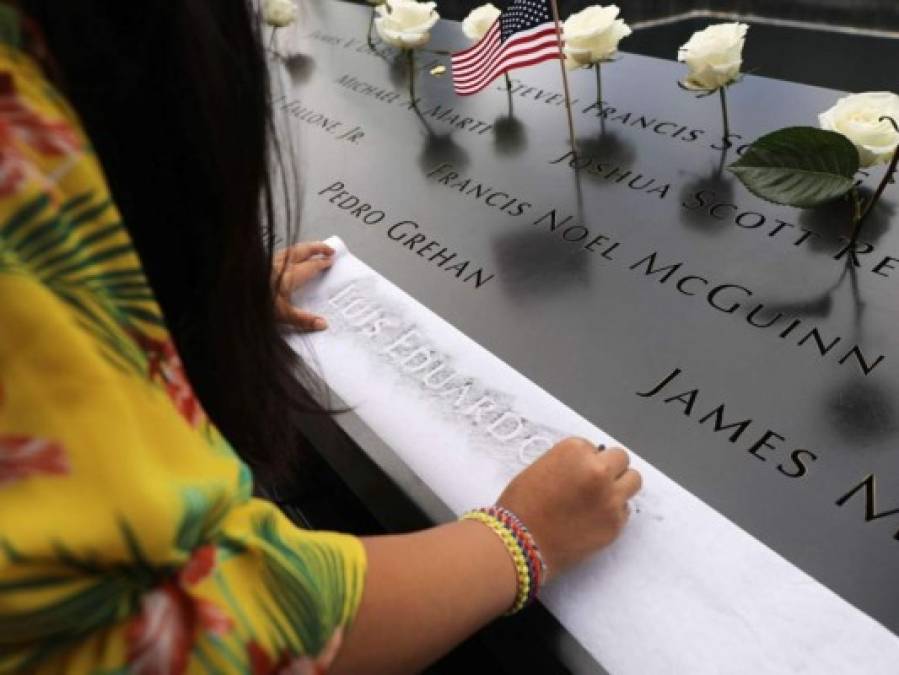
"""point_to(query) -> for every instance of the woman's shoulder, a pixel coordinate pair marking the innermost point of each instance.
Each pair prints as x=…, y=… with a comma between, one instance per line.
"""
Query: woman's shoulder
x=81, y=329
x=55, y=206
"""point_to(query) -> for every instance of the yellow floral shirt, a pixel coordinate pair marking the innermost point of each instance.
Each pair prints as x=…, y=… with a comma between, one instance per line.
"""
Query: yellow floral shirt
x=129, y=542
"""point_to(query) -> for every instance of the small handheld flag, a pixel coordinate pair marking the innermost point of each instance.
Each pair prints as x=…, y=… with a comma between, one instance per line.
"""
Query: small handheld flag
x=524, y=34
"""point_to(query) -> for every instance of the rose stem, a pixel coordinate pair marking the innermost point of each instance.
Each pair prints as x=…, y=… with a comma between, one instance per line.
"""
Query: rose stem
x=371, y=24
x=271, y=41
x=723, y=92
x=596, y=67
x=722, y=161
x=891, y=169
x=856, y=213
x=410, y=54
x=508, y=83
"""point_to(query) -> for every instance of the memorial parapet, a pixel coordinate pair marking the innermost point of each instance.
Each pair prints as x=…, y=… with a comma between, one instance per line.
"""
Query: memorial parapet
x=749, y=351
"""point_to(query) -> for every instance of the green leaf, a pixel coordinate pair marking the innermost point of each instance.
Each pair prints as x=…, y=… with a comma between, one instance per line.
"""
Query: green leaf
x=203, y=513
x=307, y=587
x=799, y=166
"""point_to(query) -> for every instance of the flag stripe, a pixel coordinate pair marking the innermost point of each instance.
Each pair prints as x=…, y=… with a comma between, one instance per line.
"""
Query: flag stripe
x=487, y=42
x=466, y=67
x=467, y=90
x=507, y=55
x=463, y=70
x=527, y=57
x=478, y=44
x=545, y=54
x=524, y=34
x=550, y=46
x=490, y=39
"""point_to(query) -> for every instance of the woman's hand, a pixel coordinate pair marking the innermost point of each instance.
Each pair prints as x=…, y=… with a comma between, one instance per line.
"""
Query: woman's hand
x=574, y=500
x=292, y=267
x=425, y=592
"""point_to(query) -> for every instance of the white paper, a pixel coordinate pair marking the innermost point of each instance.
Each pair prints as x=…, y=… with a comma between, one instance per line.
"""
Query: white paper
x=683, y=590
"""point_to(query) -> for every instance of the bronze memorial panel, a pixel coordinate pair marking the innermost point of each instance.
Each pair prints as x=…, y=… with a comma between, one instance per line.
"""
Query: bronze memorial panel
x=747, y=350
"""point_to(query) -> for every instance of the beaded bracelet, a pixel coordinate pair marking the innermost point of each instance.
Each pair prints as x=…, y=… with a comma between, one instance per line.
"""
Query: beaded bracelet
x=529, y=565
x=536, y=564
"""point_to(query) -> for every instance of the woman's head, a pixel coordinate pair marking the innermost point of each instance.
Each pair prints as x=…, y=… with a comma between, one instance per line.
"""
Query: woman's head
x=174, y=95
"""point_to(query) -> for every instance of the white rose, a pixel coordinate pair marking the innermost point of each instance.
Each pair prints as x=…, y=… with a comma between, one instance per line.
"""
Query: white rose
x=592, y=35
x=857, y=117
x=405, y=23
x=714, y=56
x=479, y=20
x=279, y=13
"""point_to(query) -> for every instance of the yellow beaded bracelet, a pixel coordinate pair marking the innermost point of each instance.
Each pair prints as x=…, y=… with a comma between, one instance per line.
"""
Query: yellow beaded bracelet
x=518, y=555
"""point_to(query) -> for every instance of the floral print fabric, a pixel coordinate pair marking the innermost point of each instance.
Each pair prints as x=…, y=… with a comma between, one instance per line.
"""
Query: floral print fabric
x=129, y=542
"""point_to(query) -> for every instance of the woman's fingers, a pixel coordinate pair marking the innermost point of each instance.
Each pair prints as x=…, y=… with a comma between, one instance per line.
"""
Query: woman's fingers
x=299, y=318
x=300, y=273
x=305, y=250
x=629, y=484
x=306, y=320
x=616, y=460
x=573, y=499
x=294, y=267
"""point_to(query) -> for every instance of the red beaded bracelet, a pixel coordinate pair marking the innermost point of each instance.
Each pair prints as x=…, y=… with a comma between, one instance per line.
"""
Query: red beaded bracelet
x=529, y=564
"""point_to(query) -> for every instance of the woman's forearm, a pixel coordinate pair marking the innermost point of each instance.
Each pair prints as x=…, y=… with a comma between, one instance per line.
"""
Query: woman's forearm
x=425, y=593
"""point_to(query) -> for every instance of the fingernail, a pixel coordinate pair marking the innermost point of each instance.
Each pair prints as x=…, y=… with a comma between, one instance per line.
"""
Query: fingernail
x=320, y=324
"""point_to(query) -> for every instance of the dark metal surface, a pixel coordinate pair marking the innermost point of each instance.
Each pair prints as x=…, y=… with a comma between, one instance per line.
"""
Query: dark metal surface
x=851, y=61
x=593, y=329
x=873, y=14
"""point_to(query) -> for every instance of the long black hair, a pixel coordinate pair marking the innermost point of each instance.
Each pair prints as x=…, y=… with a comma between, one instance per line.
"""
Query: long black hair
x=174, y=95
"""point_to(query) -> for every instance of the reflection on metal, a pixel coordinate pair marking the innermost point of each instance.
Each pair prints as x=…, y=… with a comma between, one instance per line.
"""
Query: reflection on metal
x=752, y=18
x=580, y=306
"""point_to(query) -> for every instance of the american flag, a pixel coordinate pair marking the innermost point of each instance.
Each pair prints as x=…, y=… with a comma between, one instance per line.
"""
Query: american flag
x=523, y=35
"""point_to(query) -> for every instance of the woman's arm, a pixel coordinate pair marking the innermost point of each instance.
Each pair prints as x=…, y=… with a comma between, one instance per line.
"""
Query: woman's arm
x=426, y=592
